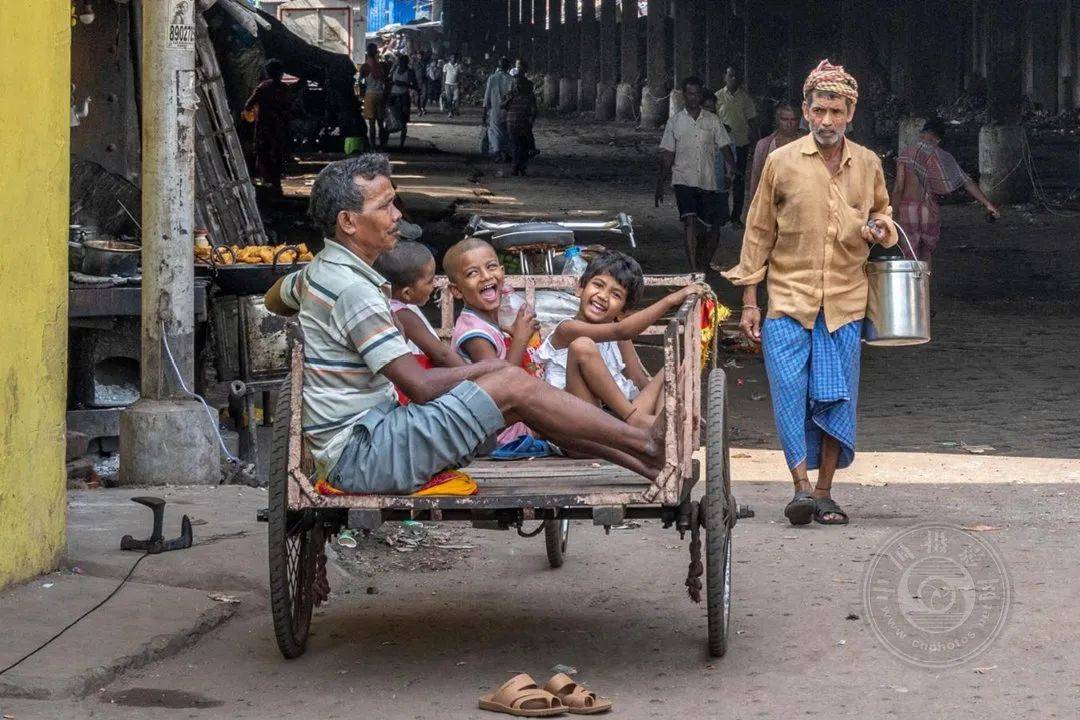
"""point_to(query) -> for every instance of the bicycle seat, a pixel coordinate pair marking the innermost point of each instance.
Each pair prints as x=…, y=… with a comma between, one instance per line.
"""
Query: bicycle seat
x=532, y=234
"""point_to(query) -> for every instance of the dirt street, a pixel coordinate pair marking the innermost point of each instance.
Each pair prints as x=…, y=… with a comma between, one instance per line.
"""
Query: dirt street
x=422, y=633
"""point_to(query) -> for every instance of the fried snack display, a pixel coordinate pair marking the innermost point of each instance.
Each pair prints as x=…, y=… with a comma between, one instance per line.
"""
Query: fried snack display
x=252, y=254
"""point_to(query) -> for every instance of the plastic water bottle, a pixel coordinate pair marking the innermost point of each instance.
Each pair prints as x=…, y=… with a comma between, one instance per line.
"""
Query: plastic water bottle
x=508, y=309
x=574, y=263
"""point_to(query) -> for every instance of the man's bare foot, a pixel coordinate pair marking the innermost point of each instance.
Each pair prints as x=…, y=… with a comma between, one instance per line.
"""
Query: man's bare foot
x=656, y=448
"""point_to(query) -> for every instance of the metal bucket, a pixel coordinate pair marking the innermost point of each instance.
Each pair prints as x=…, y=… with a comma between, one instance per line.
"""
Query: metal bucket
x=898, y=301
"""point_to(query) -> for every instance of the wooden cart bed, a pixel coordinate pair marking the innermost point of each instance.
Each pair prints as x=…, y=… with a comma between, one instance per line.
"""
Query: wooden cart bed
x=549, y=482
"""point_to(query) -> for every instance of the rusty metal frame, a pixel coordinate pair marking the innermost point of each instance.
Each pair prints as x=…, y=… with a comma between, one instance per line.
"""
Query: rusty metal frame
x=682, y=404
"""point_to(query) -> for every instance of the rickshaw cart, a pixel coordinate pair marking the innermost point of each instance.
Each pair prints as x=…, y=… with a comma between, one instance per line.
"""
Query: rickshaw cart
x=553, y=491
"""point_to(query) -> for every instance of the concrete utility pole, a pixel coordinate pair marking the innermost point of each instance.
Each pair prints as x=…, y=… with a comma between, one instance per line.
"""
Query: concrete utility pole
x=359, y=30
x=605, y=89
x=555, y=57
x=626, y=94
x=589, y=49
x=166, y=438
x=654, y=99
x=1001, y=173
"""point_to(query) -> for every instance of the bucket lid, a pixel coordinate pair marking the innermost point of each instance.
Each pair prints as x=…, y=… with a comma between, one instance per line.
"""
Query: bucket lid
x=896, y=265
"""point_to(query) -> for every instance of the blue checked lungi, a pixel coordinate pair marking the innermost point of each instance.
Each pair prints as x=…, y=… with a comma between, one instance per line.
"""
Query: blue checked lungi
x=814, y=382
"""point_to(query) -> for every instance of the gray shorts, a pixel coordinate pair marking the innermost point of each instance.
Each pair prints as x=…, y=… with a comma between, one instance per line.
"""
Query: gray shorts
x=395, y=449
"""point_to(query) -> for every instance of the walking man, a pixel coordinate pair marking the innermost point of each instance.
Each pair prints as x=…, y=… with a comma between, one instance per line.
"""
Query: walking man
x=737, y=111
x=821, y=203
x=692, y=138
x=451, y=75
x=498, y=88
x=924, y=171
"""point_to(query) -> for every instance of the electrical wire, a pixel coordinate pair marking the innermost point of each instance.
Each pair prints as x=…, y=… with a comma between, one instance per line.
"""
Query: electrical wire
x=184, y=387
x=72, y=624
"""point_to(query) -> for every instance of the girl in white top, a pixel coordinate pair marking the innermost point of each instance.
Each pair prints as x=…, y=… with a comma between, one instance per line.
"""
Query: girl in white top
x=592, y=355
x=410, y=268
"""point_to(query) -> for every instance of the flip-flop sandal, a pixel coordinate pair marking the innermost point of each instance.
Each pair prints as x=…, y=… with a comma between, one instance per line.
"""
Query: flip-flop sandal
x=825, y=506
x=800, y=511
x=522, y=697
x=575, y=697
x=525, y=447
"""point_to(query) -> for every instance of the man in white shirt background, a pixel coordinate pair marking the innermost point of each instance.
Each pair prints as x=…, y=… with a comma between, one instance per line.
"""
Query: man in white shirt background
x=451, y=73
x=692, y=138
x=736, y=110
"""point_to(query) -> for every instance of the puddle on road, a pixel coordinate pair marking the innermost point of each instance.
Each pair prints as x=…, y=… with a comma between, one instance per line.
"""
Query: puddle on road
x=158, y=698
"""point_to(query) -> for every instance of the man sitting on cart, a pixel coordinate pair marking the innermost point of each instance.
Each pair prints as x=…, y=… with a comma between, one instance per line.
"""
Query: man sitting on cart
x=354, y=356
x=822, y=201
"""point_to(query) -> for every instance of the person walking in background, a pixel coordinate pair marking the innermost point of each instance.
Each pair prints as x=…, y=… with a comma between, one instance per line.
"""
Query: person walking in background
x=494, y=118
x=692, y=138
x=372, y=84
x=271, y=101
x=520, y=106
x=434, y=74
x=451, y=85
x=737, y=111
x=403, y=86
x=422, y=82
x=723, y=183
x=787, y=129
x=924, y=171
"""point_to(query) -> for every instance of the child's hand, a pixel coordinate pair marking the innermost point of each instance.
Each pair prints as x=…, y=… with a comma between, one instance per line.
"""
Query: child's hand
x=691, y=290
x=525, y=324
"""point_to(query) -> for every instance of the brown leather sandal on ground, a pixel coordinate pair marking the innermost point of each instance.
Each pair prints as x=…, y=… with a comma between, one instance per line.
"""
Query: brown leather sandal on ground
x=522, y=697
x=575, y=697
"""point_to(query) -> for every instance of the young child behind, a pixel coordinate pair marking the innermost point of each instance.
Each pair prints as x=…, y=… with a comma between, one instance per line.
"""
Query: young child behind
x=592, y=355
x=410, y=268
x=476, y=278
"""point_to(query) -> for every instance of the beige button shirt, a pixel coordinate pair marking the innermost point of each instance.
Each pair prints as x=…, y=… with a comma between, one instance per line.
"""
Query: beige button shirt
x=804, y=228
x=736, y=110
x=695, y=144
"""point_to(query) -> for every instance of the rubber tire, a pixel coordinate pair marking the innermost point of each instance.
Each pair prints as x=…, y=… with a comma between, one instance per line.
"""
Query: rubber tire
x=556, y=539
x=717, y=506
x=291, y=615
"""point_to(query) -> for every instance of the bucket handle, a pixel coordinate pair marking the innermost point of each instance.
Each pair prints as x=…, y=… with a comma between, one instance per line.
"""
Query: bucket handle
x=904, y=234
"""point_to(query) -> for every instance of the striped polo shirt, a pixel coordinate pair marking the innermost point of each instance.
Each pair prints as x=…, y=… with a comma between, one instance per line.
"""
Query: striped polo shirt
x=349, y=336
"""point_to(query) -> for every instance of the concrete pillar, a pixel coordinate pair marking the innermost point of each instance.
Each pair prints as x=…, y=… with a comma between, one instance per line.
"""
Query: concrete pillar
x=539, y=35
x=513, y=20
x=500, y=28
x=715, y=45
x=34, y=212
x=1001, y=173
x=1040, y=53
x=655, y=96
x=555, y=56
x=589, y=51
x=605, y=89
x=626, y=94
x=1074, y=52
x=166, y=438
x=855, y=27
x=571, y=46
x=525, y=33
x=683, y=65
x=1065, y=76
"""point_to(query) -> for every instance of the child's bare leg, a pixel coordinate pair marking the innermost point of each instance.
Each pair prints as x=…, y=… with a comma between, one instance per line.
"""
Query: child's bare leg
x=649, y=403
x=591, y=379
x=574, y=424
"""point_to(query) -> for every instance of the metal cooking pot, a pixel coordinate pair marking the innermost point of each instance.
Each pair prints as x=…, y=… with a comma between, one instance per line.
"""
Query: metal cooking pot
x=898, y=301
x=110, y=257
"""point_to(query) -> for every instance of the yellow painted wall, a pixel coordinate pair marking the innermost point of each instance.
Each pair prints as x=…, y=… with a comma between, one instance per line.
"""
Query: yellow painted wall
x=35, y=71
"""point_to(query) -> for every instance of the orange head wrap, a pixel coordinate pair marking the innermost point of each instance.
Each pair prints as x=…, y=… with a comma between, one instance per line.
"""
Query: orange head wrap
x=827, y=77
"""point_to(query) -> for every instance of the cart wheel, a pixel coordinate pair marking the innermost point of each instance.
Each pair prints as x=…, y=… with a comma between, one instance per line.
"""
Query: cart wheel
x=295, y=543
x=717, y=510
x=556, y=535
